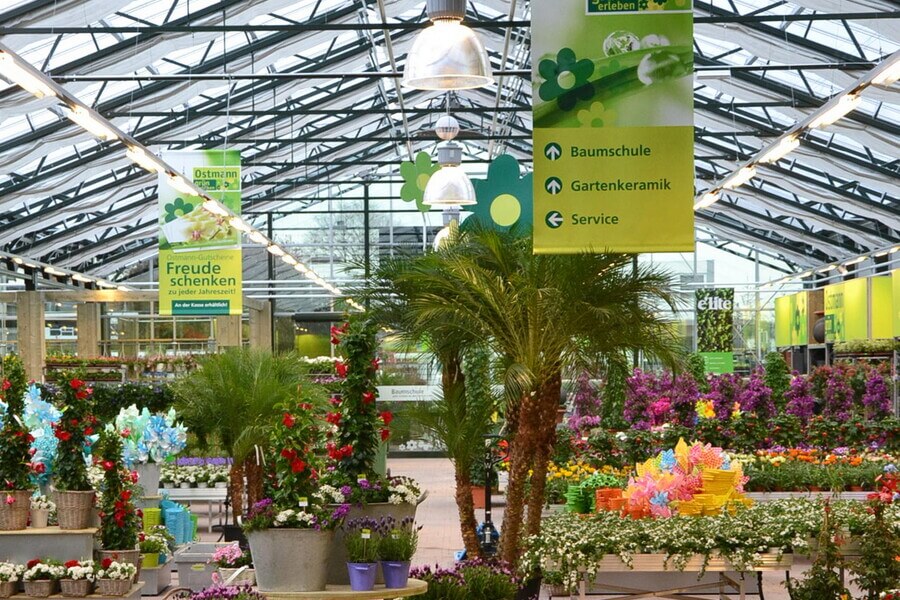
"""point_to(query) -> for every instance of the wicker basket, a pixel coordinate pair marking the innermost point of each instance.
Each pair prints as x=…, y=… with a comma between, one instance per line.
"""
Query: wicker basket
x=113, y=587
x=74, y=509
x=132, y=557
x=41, y=588
x=14, y=516
x=76, y=588
x=8, y=588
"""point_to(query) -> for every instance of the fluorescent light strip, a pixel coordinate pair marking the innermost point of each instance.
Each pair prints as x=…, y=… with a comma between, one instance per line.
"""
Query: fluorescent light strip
x=23, y=77
x=845, y=105
x=144, y=159
x=85, y=118
x=783, y=148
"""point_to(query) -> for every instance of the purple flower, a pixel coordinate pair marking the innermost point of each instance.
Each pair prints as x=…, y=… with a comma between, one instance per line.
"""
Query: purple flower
x=346, y=490
x=800, y=401
x=877, y=398
x=724, y=392
x=838, y=395
x=757, y=397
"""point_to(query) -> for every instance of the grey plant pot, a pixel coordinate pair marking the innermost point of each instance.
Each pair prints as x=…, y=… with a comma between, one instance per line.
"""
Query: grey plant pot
x=290, y=560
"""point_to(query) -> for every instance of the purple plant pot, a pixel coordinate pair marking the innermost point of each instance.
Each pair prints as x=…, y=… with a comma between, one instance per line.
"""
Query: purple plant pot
x=362, y=576
x=396, y=574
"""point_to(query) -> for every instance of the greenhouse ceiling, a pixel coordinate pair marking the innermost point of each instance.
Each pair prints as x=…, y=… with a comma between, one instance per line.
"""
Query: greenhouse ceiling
x=309, y=92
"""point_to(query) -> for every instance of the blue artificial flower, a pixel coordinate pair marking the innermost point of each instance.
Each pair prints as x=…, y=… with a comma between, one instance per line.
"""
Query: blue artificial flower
x=890, y=468
x=726, y=462
x=660, y=499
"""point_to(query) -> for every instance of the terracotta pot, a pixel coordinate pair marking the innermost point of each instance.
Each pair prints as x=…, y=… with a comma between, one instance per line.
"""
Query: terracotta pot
x=856, y=488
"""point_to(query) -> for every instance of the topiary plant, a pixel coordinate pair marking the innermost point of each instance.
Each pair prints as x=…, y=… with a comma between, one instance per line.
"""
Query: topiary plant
x=119, y=521
x=777, y=378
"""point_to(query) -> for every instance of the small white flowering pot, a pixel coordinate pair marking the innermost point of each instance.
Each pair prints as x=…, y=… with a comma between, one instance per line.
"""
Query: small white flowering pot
x=185, y=484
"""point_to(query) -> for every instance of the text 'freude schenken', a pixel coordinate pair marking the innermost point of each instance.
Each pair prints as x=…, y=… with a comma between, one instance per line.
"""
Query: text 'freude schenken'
x=206, y=274
x=621, y=185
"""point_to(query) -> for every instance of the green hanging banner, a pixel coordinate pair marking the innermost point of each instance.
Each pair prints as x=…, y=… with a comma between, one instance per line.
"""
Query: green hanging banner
x=715, y=328
x=613, y=126
x=200, y=266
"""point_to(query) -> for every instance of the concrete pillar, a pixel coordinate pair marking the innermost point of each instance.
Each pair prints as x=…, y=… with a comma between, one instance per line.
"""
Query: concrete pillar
x=228, y=331
x=32, y=342
x=88, y=322
x=261, y=328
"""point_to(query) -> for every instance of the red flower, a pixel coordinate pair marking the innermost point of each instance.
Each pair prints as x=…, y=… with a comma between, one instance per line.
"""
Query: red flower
x=297, y=466
x=126, y=495
x=306, y=406
x=376, y=363
x=289, y=453
x=387, y=416
x=38, y=467
x=74, y=422
x=34, y=561
x=334, y=418
x=107, y=465
x=341, y=369
x=126, y=433
x=288, y=420
x=335, y=401
x=82, y=394
x=6, y=384
x=368, y=397
x=106, y=562
x=63, y=436
x=385, y=434
x=70, y=564
x=76, y=384
x=89, y=431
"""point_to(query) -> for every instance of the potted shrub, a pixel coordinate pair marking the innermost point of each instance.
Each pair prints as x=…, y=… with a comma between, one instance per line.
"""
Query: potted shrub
x=361, y=540
x=10, y=575
x=15, y=446
x=115, y=578
x=290, y=533
x=119, y=521
x=150, y=546
x=41, y=507
x=41, y=577
x=78, y=579
x=234, y=565
x=74, y=494
x=396, y=547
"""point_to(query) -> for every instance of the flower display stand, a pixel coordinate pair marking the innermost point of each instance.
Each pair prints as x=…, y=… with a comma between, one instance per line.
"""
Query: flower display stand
x=157, y=579
x=770, y=496
x=725, y=580
x=62, y=544
x=414, y=587
x=133, y=594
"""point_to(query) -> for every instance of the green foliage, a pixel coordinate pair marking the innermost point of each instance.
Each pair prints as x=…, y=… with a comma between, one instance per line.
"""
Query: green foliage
x=613, y=403
x=878, y=567
x=696, y=366
x=359, y=414
x=109, y=399
x=119, y=522
x=823, y=581
x=399, y=541
x=361, y=540
x=76, y=424
x=715, y=328
x=233, y=398
x=777, y=378
x=15, y=439
x=294, y=462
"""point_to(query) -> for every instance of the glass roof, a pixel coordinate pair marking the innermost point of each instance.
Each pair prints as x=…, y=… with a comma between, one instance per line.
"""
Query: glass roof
x=162, y=71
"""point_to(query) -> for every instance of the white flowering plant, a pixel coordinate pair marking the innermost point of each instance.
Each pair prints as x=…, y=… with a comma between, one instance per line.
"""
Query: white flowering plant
x=11, y=571
x=79, y=570
x=111, y=569
x=336, y=488
x=42, y=570
x=42, y=503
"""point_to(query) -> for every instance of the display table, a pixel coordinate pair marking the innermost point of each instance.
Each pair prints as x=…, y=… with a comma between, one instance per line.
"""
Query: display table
x=134, y=594
x=414, y=587
x=727, y=583
x=209, y=496
x=61, y=544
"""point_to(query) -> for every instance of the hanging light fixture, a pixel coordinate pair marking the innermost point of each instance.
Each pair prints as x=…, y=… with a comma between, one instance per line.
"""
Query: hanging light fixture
x=448, y=55
x=449, y=186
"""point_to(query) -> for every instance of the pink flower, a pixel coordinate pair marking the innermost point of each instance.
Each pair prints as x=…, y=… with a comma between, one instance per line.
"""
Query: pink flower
x=10, y=499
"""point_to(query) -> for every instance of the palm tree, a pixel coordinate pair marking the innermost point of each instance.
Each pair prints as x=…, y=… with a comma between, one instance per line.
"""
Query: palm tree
x=233, y=399
x=541, y=314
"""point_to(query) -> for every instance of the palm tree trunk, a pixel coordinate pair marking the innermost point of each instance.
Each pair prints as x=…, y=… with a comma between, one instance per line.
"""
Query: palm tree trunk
x=467, y=524
x=237, y=490
x=549, y=401
x=521, y=452
x=254, y=481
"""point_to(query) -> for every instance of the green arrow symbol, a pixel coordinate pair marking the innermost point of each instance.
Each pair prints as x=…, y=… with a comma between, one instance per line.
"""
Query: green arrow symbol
x=552, y=151
x=553, y=185
x=554, y=219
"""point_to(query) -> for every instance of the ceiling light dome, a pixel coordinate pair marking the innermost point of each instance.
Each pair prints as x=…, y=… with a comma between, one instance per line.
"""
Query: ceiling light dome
x=448, y=55
x=449, y=186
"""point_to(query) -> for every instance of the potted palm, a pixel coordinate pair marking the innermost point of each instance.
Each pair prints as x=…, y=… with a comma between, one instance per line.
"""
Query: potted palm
x=15, y=444
x=119, y=521
x=397, y=545
x=231, y=400
x=78, y=579
x=10, y=575
x=74, y=494
x=361, y=541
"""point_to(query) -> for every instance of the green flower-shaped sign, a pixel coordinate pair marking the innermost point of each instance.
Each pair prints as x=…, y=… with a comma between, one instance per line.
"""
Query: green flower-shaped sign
x=176, y=209
x=566, y=79
x=505, y=199
x=415, y=178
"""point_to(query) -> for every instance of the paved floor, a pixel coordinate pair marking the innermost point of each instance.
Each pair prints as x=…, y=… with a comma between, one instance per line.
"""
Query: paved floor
x=440, y=537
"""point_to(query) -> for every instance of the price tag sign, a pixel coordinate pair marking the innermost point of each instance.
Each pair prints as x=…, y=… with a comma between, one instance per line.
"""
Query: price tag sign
x=361, y=477
x=366, y=534
x=304, y=502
